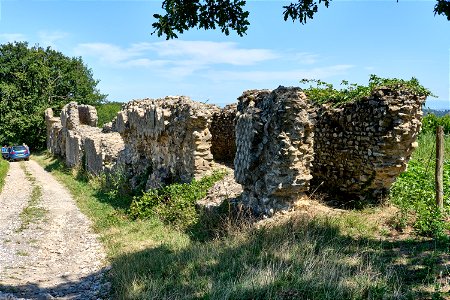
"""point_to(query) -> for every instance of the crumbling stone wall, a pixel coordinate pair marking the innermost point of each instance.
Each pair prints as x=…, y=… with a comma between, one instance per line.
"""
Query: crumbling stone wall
x=165, y=140
x=223, y=141
x=283, y=142
x=361, y=148
x=275, y=137
x=102, y=151
x=55, y=143
x=75, y=137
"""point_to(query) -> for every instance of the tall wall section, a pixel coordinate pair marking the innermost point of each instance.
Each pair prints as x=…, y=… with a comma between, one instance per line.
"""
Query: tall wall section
x=75, y=137
x=166, y=140
x=280, y=141
x=360, y=148
x=274, y=137
x=223, y=141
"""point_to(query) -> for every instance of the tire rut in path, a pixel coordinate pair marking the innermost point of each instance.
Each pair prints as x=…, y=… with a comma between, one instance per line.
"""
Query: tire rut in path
x=56, y=255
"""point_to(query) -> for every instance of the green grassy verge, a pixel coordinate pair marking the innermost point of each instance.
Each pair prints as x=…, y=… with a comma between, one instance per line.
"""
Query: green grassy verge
x=4, y=167
x=414, y=190
x=345, y=256
x=32, y=213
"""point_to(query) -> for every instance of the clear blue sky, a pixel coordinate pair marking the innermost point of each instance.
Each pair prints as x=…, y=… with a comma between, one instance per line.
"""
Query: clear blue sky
x=350, y=40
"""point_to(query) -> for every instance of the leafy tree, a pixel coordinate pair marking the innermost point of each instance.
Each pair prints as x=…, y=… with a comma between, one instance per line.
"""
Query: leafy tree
x=229, y=15
x=33, y=79
x=106, y=112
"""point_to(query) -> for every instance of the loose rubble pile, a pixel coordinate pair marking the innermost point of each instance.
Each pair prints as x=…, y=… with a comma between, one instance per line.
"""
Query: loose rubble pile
x=280, y=143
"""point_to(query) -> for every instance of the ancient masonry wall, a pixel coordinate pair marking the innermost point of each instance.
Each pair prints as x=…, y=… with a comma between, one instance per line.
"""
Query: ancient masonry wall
x=360, y=148
x=275, y=137
x=166, y=140
x=280, y=142
x=152, y=141
x=223, y=141
x=356, y=151
x=75, y=137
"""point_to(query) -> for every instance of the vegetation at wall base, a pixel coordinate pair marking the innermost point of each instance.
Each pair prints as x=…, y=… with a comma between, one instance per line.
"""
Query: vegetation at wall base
x=430, y=122
x=414, y=191
x=347, y=255
x=4, y=167
x=175, y=203
x=323, y=93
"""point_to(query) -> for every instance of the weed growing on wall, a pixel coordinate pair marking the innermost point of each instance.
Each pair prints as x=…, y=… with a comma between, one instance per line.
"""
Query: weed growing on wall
x=414, y=191
x=322, y=92
x=174, y=204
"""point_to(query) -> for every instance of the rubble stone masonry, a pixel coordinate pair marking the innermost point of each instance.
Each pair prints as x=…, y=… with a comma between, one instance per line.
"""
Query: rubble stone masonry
x=281, y=143
x=275, y=137
x=166, y=140
x=360, y=148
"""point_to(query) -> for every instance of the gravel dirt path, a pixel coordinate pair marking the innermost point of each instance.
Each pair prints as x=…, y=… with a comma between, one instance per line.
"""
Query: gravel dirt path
x=47, y=249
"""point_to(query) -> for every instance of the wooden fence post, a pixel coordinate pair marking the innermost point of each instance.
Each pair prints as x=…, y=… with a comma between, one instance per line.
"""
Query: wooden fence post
x=439, y=167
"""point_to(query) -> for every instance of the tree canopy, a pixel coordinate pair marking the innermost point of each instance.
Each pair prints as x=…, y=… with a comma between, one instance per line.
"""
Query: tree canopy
x=229, y=15
x=33, y=79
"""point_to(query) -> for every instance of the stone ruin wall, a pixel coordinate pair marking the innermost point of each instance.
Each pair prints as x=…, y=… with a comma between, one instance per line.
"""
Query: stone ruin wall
x=361, y=148
x=75, y=137
x=223, y=141
x=166, y=140
x=274, y=135
x=281, y=143
x=285, y=143
x=153, y=141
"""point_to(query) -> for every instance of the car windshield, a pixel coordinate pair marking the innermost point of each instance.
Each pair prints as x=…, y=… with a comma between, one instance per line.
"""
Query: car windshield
x=18, y=148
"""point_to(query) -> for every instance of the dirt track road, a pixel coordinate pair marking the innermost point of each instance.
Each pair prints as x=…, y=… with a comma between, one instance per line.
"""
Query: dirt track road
x=47, y=249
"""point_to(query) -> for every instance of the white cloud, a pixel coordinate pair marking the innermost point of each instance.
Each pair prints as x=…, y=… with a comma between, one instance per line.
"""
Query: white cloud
x=12, y=37
x=178, y=59
x=206, y=52
x=192, y=55
x=49, y=38
x=116, y=56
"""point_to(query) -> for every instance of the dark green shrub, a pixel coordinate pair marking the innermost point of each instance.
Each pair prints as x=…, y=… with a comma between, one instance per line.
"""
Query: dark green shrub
x=174, y=204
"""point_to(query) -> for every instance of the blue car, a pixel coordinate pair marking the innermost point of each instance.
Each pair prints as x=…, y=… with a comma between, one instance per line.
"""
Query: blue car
x=18, y=153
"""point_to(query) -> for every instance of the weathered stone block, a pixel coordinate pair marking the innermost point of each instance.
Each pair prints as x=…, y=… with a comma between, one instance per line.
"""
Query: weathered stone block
x=274, y=136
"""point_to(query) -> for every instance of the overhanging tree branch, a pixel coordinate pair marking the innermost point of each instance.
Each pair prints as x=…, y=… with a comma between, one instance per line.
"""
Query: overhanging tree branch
x=230, y=15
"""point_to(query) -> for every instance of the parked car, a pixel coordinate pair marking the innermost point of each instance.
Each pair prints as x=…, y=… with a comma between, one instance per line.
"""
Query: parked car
x=18, y=153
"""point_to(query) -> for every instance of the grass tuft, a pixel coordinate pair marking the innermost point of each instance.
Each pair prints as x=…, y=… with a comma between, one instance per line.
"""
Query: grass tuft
x=4, y=167
x=32, y=213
